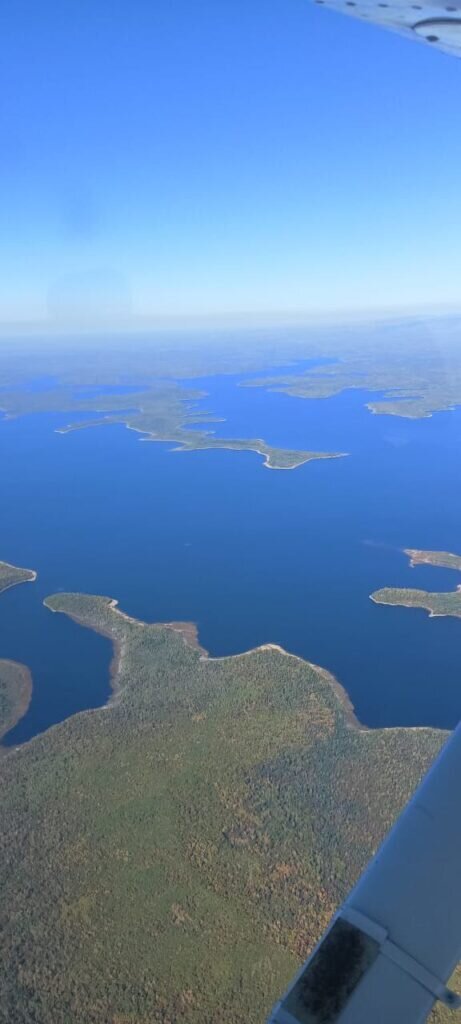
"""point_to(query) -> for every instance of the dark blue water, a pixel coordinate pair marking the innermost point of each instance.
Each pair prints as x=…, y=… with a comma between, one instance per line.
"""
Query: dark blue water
x=249, y=554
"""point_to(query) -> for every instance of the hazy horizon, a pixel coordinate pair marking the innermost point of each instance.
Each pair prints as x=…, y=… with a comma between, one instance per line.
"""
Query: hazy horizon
x=253, y=321
x=184, y=161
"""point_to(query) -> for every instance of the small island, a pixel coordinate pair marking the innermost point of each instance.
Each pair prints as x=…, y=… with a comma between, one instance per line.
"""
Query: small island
x=436, y=603
x=10, y=576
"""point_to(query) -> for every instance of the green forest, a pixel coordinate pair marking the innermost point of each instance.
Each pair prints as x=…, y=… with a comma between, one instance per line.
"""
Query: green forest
x=175, y=855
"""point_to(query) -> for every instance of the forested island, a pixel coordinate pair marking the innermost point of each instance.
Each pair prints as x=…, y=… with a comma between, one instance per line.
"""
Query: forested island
x=445, y=603
x=182, y=848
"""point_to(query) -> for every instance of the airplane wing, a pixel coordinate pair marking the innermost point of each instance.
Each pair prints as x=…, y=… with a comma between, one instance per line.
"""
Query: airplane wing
x=438, y=24
x=391, y=948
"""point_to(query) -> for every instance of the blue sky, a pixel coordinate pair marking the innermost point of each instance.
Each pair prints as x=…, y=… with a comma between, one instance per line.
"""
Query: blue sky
x=171, y=157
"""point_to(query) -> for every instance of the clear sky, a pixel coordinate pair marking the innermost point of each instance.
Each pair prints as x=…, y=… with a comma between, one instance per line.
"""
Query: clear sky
x=173, y=157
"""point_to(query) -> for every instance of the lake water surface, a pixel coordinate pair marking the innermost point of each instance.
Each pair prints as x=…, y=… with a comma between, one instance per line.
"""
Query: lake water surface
x=248, y=554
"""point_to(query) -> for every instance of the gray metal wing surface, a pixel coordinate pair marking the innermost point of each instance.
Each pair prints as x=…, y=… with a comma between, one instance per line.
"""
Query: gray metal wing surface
x=391, y=948
x=437, y=24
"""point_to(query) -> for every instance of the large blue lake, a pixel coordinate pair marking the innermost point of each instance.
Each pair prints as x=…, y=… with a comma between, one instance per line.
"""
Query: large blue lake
x=250, y=555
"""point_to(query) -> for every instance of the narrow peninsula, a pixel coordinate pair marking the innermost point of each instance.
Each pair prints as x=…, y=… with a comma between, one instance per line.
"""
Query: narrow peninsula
x=15, y=679
x=183, y=847
x=10, y=576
